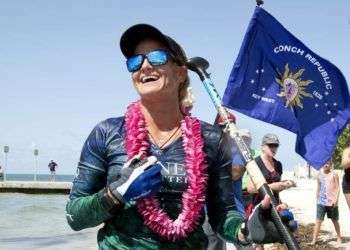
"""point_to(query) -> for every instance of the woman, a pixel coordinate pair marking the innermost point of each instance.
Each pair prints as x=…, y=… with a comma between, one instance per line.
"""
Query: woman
x=237, y=168
x=270, y=168
x=272, y=171
x=177, y=164
x=345, y=162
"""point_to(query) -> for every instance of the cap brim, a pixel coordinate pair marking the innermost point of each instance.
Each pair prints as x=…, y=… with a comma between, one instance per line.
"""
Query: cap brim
x=270, y=142
x=132, y=36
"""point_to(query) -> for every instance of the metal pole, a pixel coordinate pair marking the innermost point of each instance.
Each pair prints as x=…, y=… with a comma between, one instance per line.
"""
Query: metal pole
x=36, y=153
x=35, y=167
x=5, y=170
x=6, y=150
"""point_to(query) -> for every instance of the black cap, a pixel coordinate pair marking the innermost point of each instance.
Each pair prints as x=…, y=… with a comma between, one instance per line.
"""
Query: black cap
x=270, y=139
x=133, y=35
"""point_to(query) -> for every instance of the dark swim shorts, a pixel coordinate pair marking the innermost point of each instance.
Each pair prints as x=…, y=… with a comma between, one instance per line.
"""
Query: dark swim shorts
x=332, y=212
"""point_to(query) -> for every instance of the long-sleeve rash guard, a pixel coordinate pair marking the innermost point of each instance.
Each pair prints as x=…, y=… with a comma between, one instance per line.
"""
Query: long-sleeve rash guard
x=102, y=158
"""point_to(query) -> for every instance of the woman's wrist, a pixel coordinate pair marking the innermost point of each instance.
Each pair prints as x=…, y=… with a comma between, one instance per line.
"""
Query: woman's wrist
x=110, y=202
x=242, y=234
x=115, y=200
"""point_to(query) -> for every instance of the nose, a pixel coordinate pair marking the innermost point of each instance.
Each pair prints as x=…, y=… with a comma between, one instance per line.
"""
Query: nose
x=146, y=66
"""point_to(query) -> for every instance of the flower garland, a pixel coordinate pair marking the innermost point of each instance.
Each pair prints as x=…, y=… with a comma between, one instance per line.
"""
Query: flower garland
x=193, y=199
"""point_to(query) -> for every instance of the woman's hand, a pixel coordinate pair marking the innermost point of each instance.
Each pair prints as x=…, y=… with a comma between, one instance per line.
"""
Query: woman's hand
x=259, y=227
x=289, y=183
x=138, y=179
x=282, y=185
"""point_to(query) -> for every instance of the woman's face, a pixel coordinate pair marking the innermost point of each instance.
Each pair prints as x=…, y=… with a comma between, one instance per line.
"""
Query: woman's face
x=327, y=166
x=157, y=82
x=270, y=149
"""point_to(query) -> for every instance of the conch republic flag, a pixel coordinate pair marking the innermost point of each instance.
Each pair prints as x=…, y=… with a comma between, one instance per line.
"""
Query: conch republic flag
x=277, y=79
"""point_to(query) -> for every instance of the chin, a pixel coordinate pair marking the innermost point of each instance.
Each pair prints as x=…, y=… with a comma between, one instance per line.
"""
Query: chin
x=148, y=90
x=149, y=95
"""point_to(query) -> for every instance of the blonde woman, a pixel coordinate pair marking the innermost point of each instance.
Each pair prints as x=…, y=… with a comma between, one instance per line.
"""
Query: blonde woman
x=148, y=175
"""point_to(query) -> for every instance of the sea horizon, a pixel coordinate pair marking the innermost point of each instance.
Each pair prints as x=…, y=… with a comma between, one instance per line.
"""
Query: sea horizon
x=39, y=177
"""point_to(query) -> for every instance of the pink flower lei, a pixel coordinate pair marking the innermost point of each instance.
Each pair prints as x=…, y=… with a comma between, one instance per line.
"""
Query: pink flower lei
x=193, y=199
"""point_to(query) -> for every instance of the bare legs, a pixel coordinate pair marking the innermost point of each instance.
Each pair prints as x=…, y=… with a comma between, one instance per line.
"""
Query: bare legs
x=337, y=230
x=316, y=232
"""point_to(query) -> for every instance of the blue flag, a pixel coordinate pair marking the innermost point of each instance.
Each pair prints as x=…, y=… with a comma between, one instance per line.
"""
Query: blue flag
x=277, y=79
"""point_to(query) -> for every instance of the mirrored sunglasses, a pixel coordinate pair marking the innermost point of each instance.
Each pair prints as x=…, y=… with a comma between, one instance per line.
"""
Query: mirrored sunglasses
x=155, y=58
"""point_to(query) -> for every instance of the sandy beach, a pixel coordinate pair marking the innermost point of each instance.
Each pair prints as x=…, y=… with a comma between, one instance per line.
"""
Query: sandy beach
x=302, y=201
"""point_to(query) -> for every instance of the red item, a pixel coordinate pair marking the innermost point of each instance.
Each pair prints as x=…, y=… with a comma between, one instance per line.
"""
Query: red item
x=220, y=121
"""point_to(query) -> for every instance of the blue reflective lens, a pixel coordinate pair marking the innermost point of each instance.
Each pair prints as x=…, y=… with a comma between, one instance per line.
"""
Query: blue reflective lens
x=134, y=63
x=155, y=58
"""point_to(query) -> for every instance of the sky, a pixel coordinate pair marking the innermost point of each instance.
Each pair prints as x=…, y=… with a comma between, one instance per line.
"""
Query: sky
x=62, y=72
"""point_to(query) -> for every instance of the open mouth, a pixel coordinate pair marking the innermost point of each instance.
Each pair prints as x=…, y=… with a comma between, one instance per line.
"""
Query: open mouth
x=148, y=79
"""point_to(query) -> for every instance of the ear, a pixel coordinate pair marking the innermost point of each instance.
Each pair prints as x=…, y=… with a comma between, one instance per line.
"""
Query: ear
x=182, y=73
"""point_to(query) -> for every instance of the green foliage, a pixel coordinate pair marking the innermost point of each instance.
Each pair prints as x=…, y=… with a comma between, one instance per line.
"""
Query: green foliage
x=343, y=142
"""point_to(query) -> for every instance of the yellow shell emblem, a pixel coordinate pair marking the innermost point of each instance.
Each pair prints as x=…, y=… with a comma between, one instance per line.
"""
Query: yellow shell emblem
x=293, y=88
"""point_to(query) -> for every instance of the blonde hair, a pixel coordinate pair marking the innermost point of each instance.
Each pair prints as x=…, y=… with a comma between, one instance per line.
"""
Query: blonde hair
x=186, y=97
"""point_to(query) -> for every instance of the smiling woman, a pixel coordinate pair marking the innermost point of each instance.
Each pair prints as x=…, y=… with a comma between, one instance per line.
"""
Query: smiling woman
x=149, y=174
x=158, y=83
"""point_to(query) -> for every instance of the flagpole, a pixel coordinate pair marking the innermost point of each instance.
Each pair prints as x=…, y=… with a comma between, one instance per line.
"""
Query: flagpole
x=199, y=65
x=259, y=2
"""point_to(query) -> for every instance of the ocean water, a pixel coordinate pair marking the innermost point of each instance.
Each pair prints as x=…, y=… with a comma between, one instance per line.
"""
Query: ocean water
x=38, y=221
x=40, y=177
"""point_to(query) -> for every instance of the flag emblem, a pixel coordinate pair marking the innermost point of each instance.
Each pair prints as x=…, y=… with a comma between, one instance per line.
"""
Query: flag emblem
x=293, y=87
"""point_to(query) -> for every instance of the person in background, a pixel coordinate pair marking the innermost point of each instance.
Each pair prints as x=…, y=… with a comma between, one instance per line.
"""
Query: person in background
x=1, y=171
x=345, y=163
x=272, y=171
x=237, y=169
x=327, y=195
x=52, y=167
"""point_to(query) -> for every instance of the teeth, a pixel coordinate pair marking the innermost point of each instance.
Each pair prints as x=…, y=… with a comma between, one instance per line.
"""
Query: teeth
x=149, y=78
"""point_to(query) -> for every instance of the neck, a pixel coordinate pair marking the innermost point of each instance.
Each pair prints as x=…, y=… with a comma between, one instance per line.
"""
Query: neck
x=161, y=117
x=266, y=157
x=326, y=171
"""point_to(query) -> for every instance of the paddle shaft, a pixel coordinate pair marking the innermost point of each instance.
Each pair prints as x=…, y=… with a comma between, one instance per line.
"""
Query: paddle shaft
x=251, y=166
